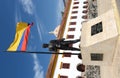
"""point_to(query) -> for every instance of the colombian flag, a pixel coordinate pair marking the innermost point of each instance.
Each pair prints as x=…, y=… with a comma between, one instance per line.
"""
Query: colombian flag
x=21, y=37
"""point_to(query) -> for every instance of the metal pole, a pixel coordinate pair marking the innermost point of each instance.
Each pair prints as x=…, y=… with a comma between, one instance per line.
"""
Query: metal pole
x=40, y=52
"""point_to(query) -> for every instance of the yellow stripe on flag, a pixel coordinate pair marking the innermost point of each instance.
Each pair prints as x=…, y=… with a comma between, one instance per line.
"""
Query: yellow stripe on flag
x=20, y=28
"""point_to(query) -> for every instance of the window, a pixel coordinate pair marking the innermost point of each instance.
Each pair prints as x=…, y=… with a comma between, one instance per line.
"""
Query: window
x=71, y=29
x=97, y=28
x=85, y=2
x=96, y=56
x=85, y=6
x=72, y=23
x=73, y=17
x=84, y=16
x=74, y=12
x=84, y=11
x=70, y=36
x=80, y=56
x=79, y=77
x=62, y=76
x=76, y=2
x=67, y=55
x=81, y=67
x=65, y=65
x=75, y=7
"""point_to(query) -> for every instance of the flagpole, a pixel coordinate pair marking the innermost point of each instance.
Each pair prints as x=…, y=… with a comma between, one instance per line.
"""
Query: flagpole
x=40, y=52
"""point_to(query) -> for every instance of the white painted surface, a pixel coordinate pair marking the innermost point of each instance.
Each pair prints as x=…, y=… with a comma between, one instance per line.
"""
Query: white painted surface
x=73, y=60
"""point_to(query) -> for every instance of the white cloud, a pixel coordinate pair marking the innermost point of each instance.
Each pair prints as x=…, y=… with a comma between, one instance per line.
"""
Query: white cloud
x=28, y=6
x=17, y=15
x=39, y=31
x=38, y=69
x=39, y=26
x=60, y=8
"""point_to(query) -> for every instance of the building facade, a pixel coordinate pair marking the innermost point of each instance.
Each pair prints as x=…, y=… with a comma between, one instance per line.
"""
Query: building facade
x=70, y=29
x=100, y=40
x=96, y=24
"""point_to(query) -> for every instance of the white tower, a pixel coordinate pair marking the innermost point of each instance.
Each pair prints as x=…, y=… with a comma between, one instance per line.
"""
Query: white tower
x=56, y=30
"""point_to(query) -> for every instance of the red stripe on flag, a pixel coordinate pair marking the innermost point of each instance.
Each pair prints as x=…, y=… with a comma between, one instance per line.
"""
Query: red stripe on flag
x=25, y=40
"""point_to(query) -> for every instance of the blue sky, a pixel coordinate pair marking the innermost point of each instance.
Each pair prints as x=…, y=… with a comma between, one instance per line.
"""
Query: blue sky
x=46, y=15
